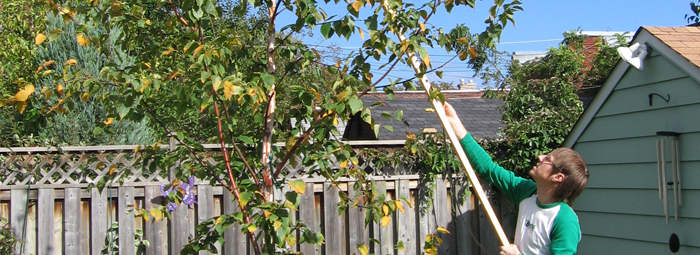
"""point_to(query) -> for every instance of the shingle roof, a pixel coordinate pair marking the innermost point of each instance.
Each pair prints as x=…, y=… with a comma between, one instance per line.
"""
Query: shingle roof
x=481, y=117
x=684, y=40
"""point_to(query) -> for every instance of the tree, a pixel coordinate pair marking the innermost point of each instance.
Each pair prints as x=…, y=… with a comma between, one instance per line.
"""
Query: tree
x=184, y=59
x=694, y=17
x=541, y=103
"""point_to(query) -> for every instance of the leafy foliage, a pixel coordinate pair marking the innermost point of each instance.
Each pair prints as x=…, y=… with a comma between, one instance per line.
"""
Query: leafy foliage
x=8, y=240
x=541, y=106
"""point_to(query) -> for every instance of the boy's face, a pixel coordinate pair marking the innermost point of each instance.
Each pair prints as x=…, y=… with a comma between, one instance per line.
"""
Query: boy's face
x=544, y=169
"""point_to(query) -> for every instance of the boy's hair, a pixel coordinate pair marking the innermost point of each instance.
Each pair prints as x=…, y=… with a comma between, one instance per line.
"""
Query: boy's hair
x=570, y=163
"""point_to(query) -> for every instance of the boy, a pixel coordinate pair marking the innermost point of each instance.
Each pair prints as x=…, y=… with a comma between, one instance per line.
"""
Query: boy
x=546, y=222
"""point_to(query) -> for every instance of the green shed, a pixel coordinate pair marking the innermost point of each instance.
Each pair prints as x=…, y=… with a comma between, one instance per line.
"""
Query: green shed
x=641, y=139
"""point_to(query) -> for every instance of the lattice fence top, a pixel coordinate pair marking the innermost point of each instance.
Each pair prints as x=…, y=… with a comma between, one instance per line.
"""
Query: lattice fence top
x=81, y=166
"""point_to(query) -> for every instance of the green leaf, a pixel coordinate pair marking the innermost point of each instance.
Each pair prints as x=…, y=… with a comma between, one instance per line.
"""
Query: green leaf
x=246, y=139
x=355, y=105
x=180, y=136
x=386, y=115
x=122, y=110
x=398, y=114
x=198, y=13
x=326, y=30
x=245, y=198
x=268, y=79
x=439, y=74
x=390, y=128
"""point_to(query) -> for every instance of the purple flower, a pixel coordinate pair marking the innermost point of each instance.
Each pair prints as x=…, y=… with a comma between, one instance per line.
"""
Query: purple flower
x=171, y=206
x=188, y=198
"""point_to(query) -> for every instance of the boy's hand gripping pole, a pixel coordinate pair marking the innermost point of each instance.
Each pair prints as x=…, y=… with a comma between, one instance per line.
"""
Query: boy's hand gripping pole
x=440, y=110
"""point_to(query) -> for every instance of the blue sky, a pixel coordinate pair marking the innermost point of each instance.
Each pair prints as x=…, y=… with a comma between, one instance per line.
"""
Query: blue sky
x=538, y=27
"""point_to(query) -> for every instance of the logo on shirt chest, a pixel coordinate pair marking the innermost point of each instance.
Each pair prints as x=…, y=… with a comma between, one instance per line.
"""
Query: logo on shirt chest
x=529, y=225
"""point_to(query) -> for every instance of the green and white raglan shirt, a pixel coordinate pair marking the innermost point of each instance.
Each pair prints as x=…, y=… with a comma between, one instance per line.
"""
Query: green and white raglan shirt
x=541, y=229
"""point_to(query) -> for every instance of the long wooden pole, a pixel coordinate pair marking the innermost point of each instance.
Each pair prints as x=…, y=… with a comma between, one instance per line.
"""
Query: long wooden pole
x=440, y=110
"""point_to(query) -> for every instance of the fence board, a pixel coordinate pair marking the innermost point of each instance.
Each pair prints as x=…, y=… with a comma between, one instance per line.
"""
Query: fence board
x=179, y=229
x=205, y=206
x=45, y=215
x=126, y=220
x=487, y=235
x=18, y=210
x=153, y=230
x=306, y=214
x=462, y=224
x=84, y=226
x=358, y=233
x=235, y=240
x=443, y=216
x=71, y=221
x=333, y=231
x=406, y=223
x=98, y=216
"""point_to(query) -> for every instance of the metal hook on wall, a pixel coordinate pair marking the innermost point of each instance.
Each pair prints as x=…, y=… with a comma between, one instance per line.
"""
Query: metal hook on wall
x=651, y=95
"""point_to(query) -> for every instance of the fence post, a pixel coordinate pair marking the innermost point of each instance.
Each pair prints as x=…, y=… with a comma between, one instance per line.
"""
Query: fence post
x=333, y=230
x=153, y=230
x=359, y=233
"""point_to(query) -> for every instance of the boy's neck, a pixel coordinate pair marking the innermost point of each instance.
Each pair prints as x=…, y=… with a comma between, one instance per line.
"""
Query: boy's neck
x=545, y=195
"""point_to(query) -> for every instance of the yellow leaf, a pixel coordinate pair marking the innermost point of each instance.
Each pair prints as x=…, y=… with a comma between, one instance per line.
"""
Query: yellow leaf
x=197, y=50
x=385, y=221
x=463, y=40
x=59, y=89
x=148, y=22
x=216, y=83
x=81, y=40
x=168, y=52
x=356, y=5
x=399, y=206
x=39, y=39
x=219, y=220
x=472, y=52
x=277, y=225
x=429, y=109
x=112, y=168
x=84, y=97
x=343, y=164
x=422, y=26
x=430, y=250
x=318, y=97
x=291, y=240
x=443, y=230
x=385, y=209
x=70, y=62
x=22, y=95
x=203, y=107
x=362, y=34
x=108, y=121
x=48, y=63
x=228, y=89
x=251, y=228
x=410, y=136
x=299, y=186
x=175, y=183
x=267, y=214
x=426, y=59
x=157, y=214
x=363, y=249
x=138, y=148
x=335, y=121
x=21, y=106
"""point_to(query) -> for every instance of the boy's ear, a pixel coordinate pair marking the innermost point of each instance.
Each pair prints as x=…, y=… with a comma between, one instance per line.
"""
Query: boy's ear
x=558, y=177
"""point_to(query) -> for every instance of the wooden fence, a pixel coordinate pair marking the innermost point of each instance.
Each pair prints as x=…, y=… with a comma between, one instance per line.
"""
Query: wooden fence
x=57, y=214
